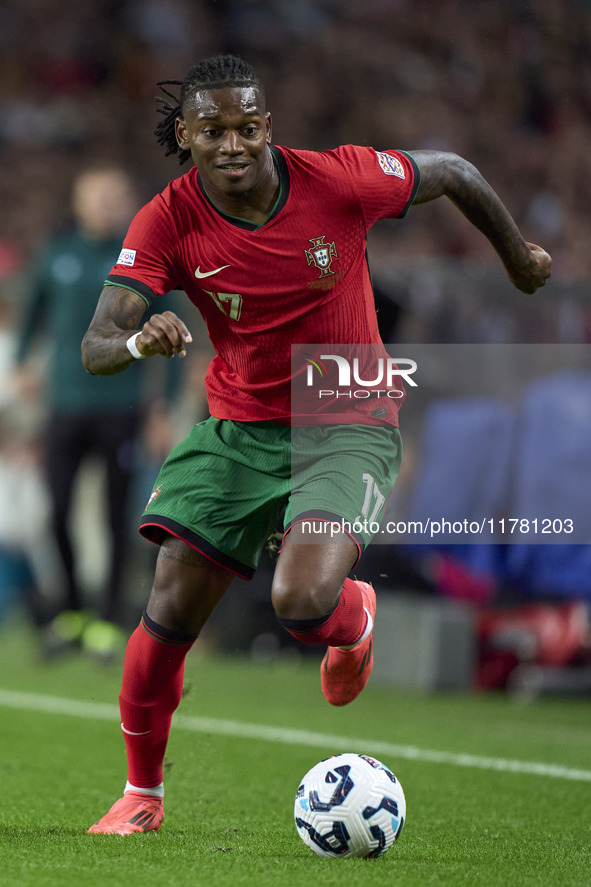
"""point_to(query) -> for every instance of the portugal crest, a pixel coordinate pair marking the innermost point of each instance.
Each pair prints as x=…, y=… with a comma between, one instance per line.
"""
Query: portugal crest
x=154, y=496
x=321, y=255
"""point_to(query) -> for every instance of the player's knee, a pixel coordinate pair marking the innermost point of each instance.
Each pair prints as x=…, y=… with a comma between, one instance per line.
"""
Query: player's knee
x=293, y=600
x=175, y=604
x=172, y=610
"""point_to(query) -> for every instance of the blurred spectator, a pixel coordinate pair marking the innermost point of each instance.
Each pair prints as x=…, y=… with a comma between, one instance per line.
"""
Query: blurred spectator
x=26, y=555
x=506, y=84
x=27, y=558
x=88, y=415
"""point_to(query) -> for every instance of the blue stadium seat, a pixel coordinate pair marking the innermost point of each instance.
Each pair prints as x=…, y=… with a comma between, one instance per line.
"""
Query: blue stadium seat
x=553, y=480
x=464, y=473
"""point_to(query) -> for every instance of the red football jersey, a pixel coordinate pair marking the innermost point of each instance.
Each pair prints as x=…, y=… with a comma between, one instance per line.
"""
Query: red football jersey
x=301, y=277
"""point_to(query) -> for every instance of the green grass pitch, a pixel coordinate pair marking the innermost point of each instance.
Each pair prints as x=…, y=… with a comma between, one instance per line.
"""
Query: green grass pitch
x=229, y=800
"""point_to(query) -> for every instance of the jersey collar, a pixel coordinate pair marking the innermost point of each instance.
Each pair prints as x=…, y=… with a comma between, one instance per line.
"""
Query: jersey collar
x=283, y=172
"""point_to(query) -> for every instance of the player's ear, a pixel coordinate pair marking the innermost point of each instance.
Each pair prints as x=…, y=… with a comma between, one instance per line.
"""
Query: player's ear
x=180, y=129
x=268, y=126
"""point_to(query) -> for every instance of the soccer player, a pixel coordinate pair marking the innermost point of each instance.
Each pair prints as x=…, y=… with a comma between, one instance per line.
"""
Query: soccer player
x=269, y=243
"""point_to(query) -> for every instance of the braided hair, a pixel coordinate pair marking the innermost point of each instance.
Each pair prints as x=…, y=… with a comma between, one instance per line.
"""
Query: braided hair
x=218, y=72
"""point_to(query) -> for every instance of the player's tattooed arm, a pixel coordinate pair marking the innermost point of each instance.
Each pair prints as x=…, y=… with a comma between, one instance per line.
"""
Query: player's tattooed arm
x=117, y=317
x=443, y=174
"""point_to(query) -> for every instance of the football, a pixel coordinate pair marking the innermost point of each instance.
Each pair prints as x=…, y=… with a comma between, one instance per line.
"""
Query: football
x=349, y=805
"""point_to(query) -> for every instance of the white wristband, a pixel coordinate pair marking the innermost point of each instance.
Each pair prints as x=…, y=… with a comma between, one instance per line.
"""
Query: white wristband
x=132, y=347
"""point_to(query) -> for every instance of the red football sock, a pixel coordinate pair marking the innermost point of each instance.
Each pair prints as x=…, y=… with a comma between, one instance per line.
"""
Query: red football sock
x=340, y=628
x=151, y=691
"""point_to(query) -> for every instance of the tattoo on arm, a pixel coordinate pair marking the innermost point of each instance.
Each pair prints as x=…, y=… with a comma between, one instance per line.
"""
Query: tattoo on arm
x=126, y=313
x=104, y=347
x=433, y=166
x=444, y=174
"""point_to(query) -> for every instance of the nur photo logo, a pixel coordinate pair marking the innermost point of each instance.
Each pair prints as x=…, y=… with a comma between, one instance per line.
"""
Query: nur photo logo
x=378, y=371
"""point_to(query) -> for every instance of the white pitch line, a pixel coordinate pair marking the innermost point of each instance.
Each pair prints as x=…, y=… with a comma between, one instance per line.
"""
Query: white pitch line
x=57, y=705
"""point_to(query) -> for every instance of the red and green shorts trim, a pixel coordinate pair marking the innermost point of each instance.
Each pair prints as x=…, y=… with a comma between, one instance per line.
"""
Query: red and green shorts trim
x=225, y=488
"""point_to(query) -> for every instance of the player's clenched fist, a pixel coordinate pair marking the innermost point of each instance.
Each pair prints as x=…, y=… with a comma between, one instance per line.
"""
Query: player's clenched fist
x=163, y=334
x=537, y=272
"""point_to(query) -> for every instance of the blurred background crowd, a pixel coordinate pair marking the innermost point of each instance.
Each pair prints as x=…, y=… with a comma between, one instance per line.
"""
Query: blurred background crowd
x=504, y=83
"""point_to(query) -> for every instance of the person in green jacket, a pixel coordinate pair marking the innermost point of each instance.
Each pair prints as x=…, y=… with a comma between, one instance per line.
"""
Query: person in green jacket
x=86, y=414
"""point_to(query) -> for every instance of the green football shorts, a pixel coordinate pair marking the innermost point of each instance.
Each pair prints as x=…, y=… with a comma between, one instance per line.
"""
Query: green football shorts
x=224, y=487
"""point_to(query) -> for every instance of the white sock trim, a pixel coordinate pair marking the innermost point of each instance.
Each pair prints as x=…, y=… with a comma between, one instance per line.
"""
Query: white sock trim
x=156, y=792
x=366, y=633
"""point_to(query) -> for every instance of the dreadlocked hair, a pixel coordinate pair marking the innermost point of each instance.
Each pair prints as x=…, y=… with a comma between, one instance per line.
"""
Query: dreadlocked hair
x=218, y=72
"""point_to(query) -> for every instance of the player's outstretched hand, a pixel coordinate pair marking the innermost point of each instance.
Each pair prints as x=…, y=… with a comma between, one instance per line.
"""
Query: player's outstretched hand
x=537, y=273
x=163, y=334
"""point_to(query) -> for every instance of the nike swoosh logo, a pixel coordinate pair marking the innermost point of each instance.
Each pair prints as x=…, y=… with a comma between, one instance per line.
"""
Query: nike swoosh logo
x=129, y=733
x=200, y=274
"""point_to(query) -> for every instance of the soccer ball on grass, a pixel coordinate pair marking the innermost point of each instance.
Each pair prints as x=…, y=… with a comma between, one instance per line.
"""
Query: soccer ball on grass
x=349, y=805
